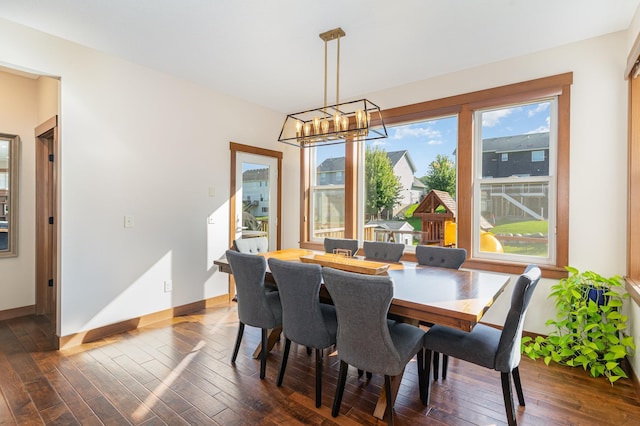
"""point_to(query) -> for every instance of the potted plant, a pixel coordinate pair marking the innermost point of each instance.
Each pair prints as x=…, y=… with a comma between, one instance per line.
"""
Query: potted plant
x=590, y=329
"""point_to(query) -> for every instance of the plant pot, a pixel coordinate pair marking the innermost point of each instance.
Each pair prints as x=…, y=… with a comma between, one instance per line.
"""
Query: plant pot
x=597, y=295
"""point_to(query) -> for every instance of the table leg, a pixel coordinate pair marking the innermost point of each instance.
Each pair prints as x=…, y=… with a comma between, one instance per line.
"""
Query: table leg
x=381, y=406
x=274, y=335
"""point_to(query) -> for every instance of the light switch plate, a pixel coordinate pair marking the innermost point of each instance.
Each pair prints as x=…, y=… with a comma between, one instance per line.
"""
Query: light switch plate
x=128, y=221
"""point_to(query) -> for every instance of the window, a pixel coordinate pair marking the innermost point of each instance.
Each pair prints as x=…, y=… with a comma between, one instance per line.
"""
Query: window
x=545, y=183
x=515, y=203
x=537, y=156
x=504, y=156
x=327, y=197
x=398, y=174
x=9, y=151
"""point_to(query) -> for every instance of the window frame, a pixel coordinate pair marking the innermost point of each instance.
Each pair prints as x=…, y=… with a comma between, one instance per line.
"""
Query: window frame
x=549, y=179
x=13, y=172
x=464, y=106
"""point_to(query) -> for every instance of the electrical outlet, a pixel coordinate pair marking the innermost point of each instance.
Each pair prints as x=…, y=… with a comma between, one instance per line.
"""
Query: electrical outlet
x=168, y=286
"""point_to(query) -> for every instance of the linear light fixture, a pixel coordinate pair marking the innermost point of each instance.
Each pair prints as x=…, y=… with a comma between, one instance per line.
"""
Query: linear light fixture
x=332, y=124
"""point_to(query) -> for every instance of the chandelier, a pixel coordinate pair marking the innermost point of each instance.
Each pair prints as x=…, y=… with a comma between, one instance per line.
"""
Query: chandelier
x=332, y=124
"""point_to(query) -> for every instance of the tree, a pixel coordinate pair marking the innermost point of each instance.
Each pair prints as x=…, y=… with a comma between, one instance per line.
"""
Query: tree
x=441, y=175
x=382, y=185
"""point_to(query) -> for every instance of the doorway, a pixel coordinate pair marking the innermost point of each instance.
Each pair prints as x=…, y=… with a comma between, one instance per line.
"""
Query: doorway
x=46, y=220
x=255, y=195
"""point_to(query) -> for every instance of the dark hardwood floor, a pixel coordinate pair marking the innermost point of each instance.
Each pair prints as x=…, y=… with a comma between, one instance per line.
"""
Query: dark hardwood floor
x=179, y=372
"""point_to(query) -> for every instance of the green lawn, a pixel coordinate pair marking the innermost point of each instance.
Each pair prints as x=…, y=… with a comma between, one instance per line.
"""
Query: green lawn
x=528, y=227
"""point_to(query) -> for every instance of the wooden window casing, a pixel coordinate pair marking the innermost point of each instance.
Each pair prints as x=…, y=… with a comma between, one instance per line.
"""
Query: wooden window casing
x=464, y=106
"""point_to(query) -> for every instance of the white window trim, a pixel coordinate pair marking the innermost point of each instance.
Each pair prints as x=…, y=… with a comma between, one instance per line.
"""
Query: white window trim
x=551, y=179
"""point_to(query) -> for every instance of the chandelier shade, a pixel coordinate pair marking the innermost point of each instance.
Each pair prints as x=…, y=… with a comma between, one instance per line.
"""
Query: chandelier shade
x=332, y=124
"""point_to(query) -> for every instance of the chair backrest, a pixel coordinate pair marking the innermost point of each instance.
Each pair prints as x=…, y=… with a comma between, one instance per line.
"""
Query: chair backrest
x=378, y=250
x=331, y=244
x=443, y=257
x=248, y=272
x=362, y=303
x=251, y=245
x=508, y=353
x=299, y=288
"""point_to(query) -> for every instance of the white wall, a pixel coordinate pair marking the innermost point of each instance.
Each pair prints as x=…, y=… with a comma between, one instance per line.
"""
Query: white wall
x=138, y=142
x=18, y=116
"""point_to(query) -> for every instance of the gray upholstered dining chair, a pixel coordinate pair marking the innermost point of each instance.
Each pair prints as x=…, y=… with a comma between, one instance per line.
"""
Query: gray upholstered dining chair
x=387, y=252
x=487, y=346
x=257, y=307
x=305, y=320
x=251, y=245
x=330, y=244
x=366, y=339
x=443, y=257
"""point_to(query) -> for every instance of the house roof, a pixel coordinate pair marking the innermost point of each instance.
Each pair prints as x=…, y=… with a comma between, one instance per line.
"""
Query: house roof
x=434, y=199
x=418, y=184
x=395, y=156
x=332, y=165
x=337, y=163
x=392, y=225
x=517, y=143
x=255, y=174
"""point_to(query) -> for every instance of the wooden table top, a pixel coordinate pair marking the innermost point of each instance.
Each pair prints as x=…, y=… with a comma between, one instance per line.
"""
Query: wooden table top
x=456, y=298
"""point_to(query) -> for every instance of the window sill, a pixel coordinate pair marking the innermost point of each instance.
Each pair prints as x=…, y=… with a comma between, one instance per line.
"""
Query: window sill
x=548, y=271
x=633, y=288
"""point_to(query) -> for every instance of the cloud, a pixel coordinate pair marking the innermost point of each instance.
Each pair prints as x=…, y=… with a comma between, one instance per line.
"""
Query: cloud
x=435, y=142
x=493, y=118
x=541, y=107
x=415, y=132
x=541, y=129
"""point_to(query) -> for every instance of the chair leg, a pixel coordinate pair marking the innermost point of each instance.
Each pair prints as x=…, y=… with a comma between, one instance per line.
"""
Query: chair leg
x=421, y=370
x=360, y=372
x=263, y=354
x=342, y=378
x=516, y=380
x=238, y=340
x=445, y=364
x=318, y=377
x=387, y=391
x=283, y=364
x=436, y=364
x=508, y=398
x=369, y=375
x=308, y=350
x=427, y=377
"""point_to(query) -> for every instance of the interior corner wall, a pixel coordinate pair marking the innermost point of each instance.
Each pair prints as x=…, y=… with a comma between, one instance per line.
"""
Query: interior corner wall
x=18, y=116
x=48, y=98
x=137, y=142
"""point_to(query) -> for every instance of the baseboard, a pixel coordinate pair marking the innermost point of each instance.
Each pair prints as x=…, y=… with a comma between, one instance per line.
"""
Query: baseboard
x=66, y=342
x=17, y=312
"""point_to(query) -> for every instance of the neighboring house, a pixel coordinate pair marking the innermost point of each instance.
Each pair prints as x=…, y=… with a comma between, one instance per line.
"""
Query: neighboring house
x=405, y=170
x=520, y=155
x=255, y=192
x=331, y=172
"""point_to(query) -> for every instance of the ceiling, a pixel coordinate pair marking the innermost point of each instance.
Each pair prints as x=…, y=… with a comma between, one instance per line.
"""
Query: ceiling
x=269, y=52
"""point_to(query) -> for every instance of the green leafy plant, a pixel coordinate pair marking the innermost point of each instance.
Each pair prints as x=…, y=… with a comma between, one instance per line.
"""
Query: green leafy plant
x=590, y=330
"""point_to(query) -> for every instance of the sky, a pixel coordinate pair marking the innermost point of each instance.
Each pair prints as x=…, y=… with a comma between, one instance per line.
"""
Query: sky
x=425, y=140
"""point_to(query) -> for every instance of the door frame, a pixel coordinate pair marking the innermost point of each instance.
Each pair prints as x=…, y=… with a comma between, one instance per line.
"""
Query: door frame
x=235, y=149
x=47, y=220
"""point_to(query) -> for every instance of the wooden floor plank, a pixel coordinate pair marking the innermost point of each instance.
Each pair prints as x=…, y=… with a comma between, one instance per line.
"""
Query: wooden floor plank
x=178, y=372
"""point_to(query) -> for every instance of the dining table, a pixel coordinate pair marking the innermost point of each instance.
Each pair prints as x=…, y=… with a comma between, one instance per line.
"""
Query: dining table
x=422, y=294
